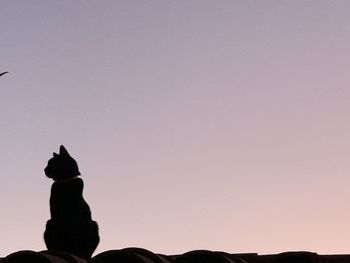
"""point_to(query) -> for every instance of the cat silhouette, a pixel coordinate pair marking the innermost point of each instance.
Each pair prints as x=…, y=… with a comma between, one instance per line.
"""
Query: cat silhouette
x=71, y=228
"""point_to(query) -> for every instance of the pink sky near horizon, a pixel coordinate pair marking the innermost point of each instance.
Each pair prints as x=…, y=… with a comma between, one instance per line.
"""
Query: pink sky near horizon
x=219, y=125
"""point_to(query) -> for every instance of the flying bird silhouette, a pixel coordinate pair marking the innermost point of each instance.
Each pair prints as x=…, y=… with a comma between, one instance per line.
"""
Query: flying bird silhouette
x=3, y=73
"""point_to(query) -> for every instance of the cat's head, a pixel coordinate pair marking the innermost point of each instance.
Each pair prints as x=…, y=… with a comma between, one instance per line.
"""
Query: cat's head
x=61, y=166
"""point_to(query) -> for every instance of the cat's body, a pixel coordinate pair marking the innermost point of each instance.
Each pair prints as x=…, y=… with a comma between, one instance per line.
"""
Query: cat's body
x=67, y=202
x=70, y=228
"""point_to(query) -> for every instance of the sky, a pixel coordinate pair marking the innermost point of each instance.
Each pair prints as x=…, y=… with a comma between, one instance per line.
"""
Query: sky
x=198, y=124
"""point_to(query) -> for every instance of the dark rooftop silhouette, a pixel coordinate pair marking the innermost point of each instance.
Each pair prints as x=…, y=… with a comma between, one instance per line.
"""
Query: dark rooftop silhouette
x=140, y=255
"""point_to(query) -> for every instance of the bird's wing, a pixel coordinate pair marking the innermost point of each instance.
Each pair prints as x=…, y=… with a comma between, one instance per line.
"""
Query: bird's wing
x=3, y=73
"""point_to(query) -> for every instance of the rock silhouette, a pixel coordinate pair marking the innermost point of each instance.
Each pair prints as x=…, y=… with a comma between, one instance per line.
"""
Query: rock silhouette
x=71, y=228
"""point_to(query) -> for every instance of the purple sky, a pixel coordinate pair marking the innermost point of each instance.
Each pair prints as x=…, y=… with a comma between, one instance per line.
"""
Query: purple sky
x=217, y=125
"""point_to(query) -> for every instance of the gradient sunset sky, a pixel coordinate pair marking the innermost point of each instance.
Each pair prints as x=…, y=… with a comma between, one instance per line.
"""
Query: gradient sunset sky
x=219, y=125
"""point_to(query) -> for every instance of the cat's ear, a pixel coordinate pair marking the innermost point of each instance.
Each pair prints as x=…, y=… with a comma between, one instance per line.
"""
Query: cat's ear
x=63, y=151
x=55, y=154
